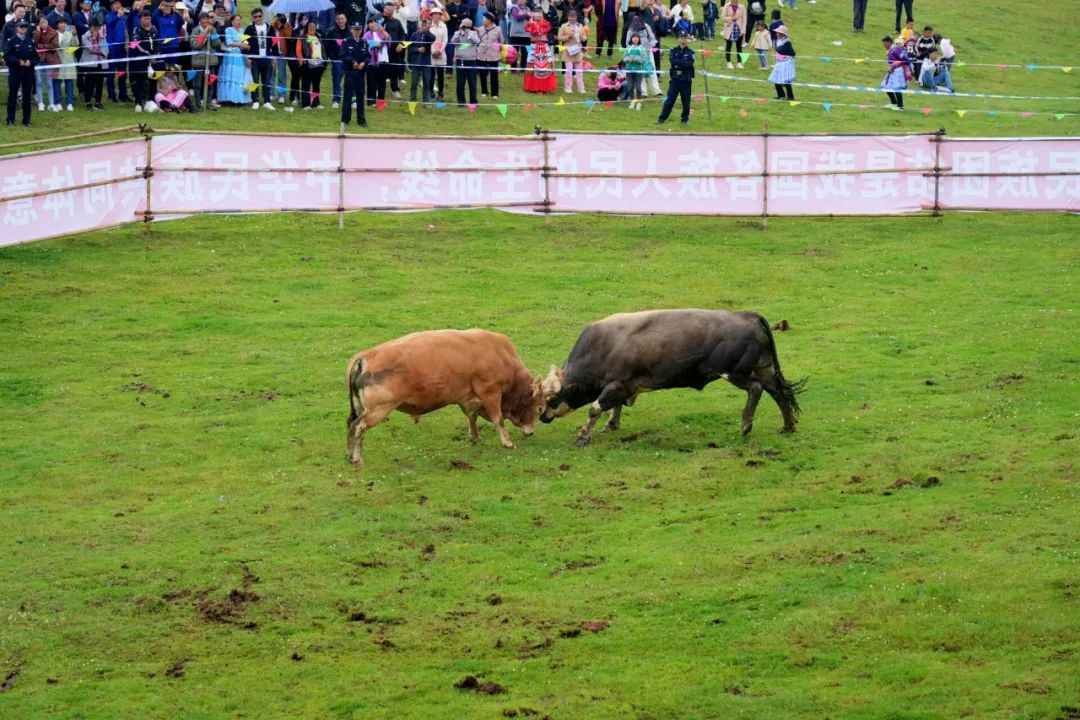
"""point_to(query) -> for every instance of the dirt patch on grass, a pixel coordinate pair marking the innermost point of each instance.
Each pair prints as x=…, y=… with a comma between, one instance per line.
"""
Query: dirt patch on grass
x=428, y=552
x=1004, y=381
x=1032, y=687
x=582, y=563
x=523, y=712
x=10, y=679
x=362, y=617
x=494, y=599
x=461, y=465
x=595, y=626
x=590, y=502
x=487, y=687
x=177, y=669
x=144, y=388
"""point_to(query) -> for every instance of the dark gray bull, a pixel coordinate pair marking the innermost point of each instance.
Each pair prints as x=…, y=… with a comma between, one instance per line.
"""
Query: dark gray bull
x=623, y=355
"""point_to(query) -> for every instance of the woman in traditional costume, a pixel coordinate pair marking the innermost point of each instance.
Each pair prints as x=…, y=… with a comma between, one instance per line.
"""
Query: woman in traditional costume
x=539, y=72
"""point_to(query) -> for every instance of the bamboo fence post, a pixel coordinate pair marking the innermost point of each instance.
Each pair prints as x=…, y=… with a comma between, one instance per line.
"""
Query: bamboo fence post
x=341, y=179
x=206, y=75
x=938, y=137
x=545, y=171
x=705, y=74
x=765, y=179
x=148, y=172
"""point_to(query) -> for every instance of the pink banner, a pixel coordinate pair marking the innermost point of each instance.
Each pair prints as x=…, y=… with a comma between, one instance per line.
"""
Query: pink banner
x=635, y=174
x=971, y=182
x=62, y=212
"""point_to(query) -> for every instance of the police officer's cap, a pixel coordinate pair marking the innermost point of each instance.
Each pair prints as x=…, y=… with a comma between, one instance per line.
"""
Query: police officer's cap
x=356, y=25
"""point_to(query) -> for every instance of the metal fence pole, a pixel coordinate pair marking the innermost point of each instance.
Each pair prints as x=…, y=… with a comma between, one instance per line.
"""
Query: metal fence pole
x=148, y=172
x=545, y=172
x=341, y=179
x=206, y=75
x=705, y=74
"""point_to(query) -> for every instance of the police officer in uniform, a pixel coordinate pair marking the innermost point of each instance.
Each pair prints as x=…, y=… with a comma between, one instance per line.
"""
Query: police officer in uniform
x=354, y=57
x=680, y=78
x=20, y=56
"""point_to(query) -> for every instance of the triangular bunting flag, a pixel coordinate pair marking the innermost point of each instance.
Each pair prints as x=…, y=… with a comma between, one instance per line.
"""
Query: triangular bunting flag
x=166, y=41
x=1001, y=65
x=960, y=113
x=562, y=101
x=860, y=61
x=472, y=107
x=1032, y=67
x=133, y=44
x=462, y=46
x=245, y=38
x=991, y=113
x=826, y=106
x=121, y=74
x=927, y=111
x=724, y=98
x=527, y=107
x=1066, y=69
x=250, y=88
x=826, y=59
x=501, y=108
x=1026, y=114
x=72, y=51
x=762, y=101
x=159, y=73
x=440, y=105
x=280, y=91
x=743, y=113
x=960, y=63
x=706, y=53
x=608, y=104
x=560, y=48
x=699, y=98
x=275, y=40
x=380, y=105
x=55, y=74
x=311, y=39
x=412, y=108
x=340, y=41
x=863, y=107
x=406, y=44
x=315, y=95
x=212, y=79
x=1060, y=116
x=201, y=38
x=590, y=103
x=794, y=103
x=191, y=74
x=744, y=56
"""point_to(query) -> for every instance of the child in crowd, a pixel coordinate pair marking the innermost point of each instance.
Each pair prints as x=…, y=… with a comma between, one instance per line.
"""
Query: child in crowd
x=709, y=14
x=948, y=52
x=170, y=96
x=784, y=73
x=634, y=60
x=609, y=86
x=776, y=22
x=762, y=44
x=908, y=32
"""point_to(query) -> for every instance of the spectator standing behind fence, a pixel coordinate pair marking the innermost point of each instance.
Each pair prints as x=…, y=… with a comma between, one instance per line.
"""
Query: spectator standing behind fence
x=206, y=44
x=519, y=36
x=284, y=85
x=354, y=57
x=65, y=74
x=904, y=5
x=681, y=78
x=709, y=14
x=261, y=51
x=438, y=53
x=312, y=57
x=20, y=55
x=784, y=73
x=116, y=47
x=896, y=78
x=379, y=55
x=59, y=12
x=488, y=54
x=607, y=25
x=635, y=60
x=233, y=81
x=465, y=42
x=573, y=36
x=734, y=16
x=395, y=32
x=96, y=60
x=46, y=42
x=335, y=38
x=170, y=26
x=420, y=61
x=755, y=13
x=858, y=19
x=146, y=38
x=762, y=44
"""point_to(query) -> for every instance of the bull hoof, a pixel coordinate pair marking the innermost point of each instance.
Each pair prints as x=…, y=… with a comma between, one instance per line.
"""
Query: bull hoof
x=610, y=427
x=746, y=429
x=787, y=430
x=474, y=439
x=509, y=445
x=581, y=442
x=358, y=463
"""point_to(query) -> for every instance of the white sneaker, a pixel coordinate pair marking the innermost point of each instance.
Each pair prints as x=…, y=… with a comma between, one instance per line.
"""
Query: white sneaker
x=730, y=66
x=41, y=107
x=290, y=109
x=268, y=106
x=306, y=109
x=740, y=66
x=320, y=107
x=254, y=106
x=336, y=105
x=494, y=97
x=281, y=99
x=138, y=108
x=397, y=95
x=71, y=108
x=149, y=106
x=295, y=103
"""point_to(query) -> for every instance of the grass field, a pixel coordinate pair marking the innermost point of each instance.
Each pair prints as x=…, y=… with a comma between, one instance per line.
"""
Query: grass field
x=183, y=537
x=988, y=32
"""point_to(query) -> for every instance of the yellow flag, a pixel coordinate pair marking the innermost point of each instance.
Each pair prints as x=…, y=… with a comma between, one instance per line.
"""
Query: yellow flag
x=406, y=44
x=158, y=74
x=961, y=113
x=794, y=103
x=859, y=61
x=252, y=87
x=245, y=38
x=562, y=101
x=72, y=51
x=412, y=108
x=1066, y=69
x=560, y=48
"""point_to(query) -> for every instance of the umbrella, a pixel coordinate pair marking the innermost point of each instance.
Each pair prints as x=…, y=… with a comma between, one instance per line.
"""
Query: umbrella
x=286, y=7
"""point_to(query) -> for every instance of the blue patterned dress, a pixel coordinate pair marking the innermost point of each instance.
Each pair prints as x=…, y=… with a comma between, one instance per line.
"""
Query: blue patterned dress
x=233, y=78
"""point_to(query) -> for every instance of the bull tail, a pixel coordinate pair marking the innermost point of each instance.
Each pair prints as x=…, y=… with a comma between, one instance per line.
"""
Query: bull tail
x=787, y=390
x=353, y=377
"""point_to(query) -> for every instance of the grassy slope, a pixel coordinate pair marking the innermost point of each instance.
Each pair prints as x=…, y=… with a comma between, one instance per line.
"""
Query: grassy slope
x=980, y=31
x=742, y=578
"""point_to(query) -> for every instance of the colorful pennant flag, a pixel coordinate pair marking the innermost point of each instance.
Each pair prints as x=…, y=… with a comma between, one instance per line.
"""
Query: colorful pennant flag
x=340, y=41
x=315, y=95
x=501, y=108
x=440, y=105
x=1066, y=69
x=201, y=38
x=860, y=61
x=380, y=105
x=927, y=111
x=827, y=107
x=159, y=73
x=245, y=38
x=826, y=58
x=191, y=74
x=698, y=98
x=1026, y=114
x=706, y=53
x=724, y=98
x=1060, y=116
x=960, y=113
x=212, y=79
x=744, y=56
x=406, y=44
x=166, y=41
x=54, y=74
x=762, y=101
x=794, y=103
x=121, y=74
x=275, y=40
x=608, y=104
x=472, y=107
x=412, y=108
x=133, y=44
x=252, y=87
x=72, y=50
x=562, y=101
x=743, y=113
x=527, y=107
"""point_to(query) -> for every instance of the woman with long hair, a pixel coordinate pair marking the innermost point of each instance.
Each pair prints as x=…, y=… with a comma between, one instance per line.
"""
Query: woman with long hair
x=312, y=59
x=233, y=80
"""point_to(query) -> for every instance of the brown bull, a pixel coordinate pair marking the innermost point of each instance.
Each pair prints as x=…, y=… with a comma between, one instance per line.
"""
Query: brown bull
x=477, y=370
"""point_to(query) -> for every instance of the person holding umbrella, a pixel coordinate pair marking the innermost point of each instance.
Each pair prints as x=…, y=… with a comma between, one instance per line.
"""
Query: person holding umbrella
x=354, y=58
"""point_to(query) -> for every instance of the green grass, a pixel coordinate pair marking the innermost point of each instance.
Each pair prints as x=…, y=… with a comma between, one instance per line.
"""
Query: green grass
x=979, y=30
x=172, y=410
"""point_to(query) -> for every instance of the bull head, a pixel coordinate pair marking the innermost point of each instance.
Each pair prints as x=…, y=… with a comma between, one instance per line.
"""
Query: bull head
x=553, y=388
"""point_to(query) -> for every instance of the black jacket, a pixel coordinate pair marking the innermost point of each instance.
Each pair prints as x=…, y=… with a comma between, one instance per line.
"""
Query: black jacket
x=16, y=49
x=682, y=63
x=353, y=51
x=331, y=46
x=272, y=49
x=147, y=39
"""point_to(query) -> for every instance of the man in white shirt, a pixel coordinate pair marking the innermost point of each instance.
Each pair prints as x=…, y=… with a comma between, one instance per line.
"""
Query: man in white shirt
x=262, y=49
